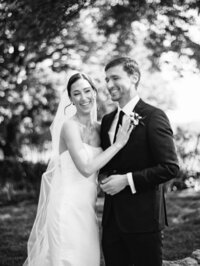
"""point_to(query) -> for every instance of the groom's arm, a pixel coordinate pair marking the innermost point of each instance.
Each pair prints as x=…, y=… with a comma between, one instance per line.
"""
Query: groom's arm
x=163, y=152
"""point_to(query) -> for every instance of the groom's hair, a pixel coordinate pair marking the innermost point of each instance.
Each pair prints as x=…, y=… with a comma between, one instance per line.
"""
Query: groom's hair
x=129, y=65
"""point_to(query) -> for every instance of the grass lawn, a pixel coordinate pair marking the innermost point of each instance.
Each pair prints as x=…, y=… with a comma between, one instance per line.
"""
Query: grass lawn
x=182, y=236
x=180, y=239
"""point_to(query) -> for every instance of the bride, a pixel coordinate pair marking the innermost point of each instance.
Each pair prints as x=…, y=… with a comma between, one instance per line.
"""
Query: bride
x=65, y=231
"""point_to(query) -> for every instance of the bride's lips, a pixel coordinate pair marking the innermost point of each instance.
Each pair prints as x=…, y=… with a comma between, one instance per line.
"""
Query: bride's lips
x=85, y=104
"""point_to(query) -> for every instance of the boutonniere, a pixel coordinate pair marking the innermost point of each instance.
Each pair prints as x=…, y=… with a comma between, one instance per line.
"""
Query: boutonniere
x=136, y=119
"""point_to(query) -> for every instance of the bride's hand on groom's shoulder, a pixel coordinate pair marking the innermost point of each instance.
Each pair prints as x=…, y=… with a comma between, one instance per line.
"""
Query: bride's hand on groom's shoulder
x=114, y=184
x=124, y=132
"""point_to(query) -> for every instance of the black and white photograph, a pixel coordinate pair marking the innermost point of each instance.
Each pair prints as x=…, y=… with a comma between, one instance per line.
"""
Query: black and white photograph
x=99, y=133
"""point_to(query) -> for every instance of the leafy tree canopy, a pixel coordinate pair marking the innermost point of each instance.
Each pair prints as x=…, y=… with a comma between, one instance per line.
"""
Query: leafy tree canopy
x=31, y=31
x=81, y=35
x=171, y=25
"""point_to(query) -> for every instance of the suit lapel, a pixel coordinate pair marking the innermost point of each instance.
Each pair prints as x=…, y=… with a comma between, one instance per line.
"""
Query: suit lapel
x=139, y=109
x=139, y=106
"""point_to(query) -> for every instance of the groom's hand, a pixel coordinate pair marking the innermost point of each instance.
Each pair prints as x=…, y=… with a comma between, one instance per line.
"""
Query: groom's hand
x=114, y=184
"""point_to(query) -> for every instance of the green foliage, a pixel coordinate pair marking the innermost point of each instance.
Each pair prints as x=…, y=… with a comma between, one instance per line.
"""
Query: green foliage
x=80, y=35
x=31, y=31
x=188, y=150
x=32, y=22
x=167, y=24
x=26, y=111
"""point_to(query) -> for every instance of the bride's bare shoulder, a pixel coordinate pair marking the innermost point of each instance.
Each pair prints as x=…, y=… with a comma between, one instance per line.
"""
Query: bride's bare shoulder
x=70, y=122
x=69, y=126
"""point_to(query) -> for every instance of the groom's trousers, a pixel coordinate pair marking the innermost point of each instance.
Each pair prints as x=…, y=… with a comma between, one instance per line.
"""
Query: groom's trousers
x=128, y=249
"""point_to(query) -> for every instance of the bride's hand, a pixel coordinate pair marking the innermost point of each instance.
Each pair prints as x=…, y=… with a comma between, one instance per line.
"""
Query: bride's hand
x=124, y=132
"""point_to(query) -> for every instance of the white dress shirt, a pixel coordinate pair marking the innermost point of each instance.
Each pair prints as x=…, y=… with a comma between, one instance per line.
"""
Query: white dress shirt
x=127, y=109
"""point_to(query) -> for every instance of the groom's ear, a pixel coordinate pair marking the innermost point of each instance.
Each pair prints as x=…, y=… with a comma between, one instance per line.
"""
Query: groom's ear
x=135, y=77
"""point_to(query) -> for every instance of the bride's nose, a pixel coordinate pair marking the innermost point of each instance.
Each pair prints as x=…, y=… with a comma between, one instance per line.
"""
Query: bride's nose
x=83, y=96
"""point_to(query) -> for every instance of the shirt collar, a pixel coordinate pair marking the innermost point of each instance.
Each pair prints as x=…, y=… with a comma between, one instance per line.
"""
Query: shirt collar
x=128, y=108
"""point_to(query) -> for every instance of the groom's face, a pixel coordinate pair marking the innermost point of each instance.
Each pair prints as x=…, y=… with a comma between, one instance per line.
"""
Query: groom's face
x=120, y=84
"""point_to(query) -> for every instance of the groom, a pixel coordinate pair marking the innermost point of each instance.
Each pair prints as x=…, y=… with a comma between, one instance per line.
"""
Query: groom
x=134, y=210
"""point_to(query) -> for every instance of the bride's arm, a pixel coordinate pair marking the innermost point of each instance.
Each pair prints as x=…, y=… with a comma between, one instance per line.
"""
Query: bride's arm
x=72, y=137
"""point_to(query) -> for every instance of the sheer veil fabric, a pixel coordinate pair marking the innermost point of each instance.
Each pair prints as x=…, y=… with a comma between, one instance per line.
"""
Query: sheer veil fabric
x=36, y=238
x=38, y=243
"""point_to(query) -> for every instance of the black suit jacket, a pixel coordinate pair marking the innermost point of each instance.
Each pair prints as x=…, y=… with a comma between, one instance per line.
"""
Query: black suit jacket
x=151, y=157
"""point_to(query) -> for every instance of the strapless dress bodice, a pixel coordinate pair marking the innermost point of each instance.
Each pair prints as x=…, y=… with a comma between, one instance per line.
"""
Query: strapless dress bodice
x=68, y=169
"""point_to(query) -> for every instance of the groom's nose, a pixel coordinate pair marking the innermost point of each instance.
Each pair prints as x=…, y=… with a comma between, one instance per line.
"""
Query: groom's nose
x=110, y=84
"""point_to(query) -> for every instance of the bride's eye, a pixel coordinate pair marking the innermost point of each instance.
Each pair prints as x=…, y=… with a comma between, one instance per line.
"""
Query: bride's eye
x=88, y=90
x=76, y=93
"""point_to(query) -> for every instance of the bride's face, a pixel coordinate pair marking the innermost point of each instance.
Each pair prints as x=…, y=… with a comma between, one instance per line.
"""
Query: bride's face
x=82, y=96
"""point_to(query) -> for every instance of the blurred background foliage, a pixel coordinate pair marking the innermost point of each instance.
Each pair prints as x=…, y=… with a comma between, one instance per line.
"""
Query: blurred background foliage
x=44, y=41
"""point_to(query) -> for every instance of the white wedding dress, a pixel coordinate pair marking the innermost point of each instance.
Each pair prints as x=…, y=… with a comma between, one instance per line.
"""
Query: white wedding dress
x=68, y=233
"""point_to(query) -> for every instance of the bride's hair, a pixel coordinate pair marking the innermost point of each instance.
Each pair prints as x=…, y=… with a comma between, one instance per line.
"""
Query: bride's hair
x=76, y=77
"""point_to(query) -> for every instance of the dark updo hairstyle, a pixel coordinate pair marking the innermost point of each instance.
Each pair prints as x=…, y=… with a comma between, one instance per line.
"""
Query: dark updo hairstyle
x=76, y=77
x=129, y=65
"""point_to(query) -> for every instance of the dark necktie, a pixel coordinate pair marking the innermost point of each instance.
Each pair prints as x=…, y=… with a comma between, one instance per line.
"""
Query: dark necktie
x=121, y=114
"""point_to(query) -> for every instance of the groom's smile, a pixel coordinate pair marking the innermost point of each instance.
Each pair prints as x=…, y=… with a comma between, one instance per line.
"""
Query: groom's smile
x=114, y=92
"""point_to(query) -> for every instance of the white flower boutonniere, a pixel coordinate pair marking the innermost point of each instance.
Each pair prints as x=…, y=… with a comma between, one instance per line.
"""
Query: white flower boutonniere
x=136, y=119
